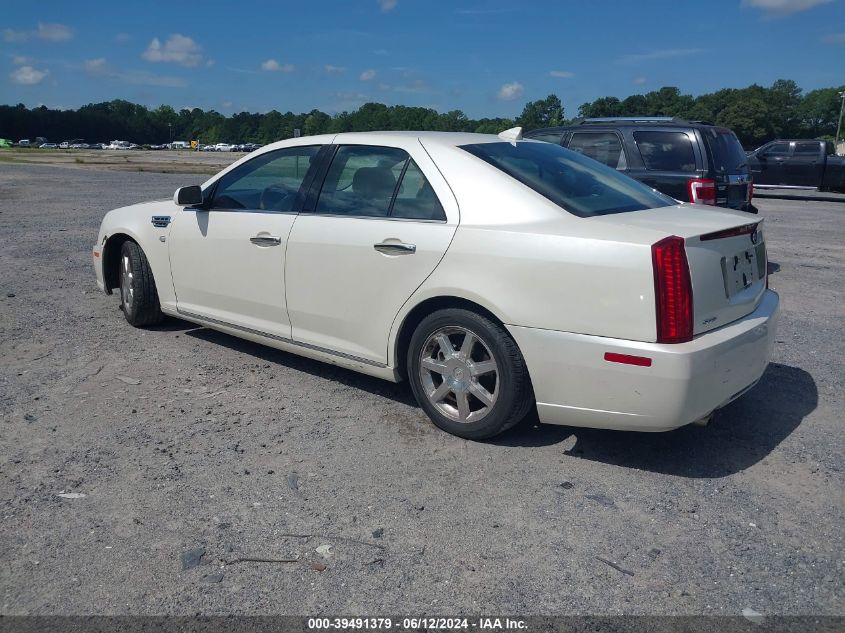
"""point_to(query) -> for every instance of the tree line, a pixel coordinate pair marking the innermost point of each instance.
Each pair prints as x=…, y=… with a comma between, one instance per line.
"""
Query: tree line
x=756, y=113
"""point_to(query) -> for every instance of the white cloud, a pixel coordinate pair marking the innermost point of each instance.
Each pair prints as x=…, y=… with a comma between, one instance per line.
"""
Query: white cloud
x=122, y=38
x=96, y=66
x=50, y=31
x=227, y=104
x=834, y=38
x=334, y=70
x=27, y=75
x=563, y=74
x=510, y=91
x=782, y=7
x=368, y=75
x=271, y=65
x=638, y=81
x=660, y=54
x=178, y=49
x=387, y=5
x=21, y=60
x=54, y=32
x=380, y=51
x=100, y=68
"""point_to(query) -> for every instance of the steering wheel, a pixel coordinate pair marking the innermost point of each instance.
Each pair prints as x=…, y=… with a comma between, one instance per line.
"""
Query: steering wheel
x=276, y=198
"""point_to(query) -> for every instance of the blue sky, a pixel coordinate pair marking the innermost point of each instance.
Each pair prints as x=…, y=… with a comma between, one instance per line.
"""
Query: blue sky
x=485, y=58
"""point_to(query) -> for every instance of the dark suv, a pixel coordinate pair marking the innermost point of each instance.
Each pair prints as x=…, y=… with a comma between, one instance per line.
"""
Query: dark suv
x=691, y=161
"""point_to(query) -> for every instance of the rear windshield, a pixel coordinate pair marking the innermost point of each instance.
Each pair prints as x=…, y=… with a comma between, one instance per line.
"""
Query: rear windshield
x=574, y=182
x=728, y=155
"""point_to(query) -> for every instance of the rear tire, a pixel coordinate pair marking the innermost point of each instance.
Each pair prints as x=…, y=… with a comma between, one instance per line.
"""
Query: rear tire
x=138, y=294
x=468, y=374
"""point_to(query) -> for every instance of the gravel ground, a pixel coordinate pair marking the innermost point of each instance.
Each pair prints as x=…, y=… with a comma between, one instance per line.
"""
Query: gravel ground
x=201, y=457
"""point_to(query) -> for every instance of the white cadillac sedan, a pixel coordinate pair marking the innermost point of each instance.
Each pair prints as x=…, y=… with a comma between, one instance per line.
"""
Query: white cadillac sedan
x=495, y=274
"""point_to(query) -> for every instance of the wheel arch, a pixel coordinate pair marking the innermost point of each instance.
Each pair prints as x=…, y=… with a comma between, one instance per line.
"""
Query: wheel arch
x=422, y=309
x=111, y=258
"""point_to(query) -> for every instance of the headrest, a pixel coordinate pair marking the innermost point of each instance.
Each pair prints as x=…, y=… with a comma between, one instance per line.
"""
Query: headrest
x=374, y=182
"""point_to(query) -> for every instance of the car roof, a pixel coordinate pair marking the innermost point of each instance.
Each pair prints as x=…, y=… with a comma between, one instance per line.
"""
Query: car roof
x=449, y=139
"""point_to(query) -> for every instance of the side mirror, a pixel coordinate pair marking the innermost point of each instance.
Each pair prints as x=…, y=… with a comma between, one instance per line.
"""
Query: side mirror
x=188, y=196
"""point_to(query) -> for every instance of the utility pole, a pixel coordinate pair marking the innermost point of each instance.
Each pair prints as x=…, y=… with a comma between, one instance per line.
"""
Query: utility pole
x=841, y=109
x=170, y=129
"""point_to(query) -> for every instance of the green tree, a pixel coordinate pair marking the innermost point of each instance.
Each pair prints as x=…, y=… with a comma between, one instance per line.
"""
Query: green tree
x=546, y=112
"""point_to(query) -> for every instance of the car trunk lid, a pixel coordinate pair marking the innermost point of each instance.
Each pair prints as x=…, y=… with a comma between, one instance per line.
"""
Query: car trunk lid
x=726, y=255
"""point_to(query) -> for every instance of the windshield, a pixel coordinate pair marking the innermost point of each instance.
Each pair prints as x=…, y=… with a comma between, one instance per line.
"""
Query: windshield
x=728, y=155
x=574, y=182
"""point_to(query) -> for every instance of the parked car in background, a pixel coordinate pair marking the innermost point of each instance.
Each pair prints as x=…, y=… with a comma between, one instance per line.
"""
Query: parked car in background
x=223, y=147
x=798, y=163
x=24, y=142
x=690, y=161
x=48, y=146
x=512, y=275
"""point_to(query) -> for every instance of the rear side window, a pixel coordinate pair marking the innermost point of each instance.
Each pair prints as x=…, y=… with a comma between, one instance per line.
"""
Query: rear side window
x=666, y=151
x=812, y=149
x=548, y=137
x=726, y=151
x=574, y=182
x=604, y=147
x=367, y=181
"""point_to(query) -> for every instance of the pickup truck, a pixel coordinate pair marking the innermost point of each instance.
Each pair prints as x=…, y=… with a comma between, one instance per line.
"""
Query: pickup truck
x=797, y=164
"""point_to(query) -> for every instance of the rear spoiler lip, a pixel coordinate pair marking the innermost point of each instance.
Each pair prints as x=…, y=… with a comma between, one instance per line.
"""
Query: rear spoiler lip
x=745, y=229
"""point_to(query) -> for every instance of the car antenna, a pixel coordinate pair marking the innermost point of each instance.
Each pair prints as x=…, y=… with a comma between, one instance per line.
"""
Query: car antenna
x=512, y=135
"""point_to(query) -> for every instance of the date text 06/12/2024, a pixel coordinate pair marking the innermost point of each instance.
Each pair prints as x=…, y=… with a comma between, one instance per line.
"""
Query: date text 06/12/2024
x=411, y=623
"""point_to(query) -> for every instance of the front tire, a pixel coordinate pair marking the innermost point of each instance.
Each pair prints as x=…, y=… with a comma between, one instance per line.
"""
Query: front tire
x=138, y=294
x=468, y=374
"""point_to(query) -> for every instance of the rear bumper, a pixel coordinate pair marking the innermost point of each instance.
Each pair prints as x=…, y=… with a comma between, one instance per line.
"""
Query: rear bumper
x=97, y=261
x=575, y=386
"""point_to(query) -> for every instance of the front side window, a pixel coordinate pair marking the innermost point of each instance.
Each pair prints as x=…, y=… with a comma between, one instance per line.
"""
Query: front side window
x=666, y=151
x=269, y=182
x=574, y=182
x=777, y=149
x=367, y=181
x=604, y=147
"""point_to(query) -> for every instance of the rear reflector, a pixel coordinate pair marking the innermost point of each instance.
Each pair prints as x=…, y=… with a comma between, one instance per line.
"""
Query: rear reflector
x=702, y=191
x=745, y=229
x=672, y=290
x=640, y=361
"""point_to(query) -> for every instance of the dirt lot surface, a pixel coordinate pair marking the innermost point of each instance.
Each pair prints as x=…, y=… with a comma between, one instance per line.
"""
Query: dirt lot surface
x=204, y=474
x=162, y=161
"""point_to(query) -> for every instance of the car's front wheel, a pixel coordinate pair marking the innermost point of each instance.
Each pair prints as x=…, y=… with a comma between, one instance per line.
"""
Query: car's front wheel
x=468, y=374
x=138, y=294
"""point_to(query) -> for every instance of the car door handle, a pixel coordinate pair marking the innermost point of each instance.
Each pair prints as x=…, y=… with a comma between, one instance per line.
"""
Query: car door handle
x=265, y=240
x=395, y=248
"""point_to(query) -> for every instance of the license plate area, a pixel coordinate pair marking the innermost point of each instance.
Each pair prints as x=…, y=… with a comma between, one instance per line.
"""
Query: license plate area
x=740, y=271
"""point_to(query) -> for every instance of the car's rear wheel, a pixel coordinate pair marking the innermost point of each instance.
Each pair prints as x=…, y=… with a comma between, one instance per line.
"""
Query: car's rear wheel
x=138, y=294
x=468, y=374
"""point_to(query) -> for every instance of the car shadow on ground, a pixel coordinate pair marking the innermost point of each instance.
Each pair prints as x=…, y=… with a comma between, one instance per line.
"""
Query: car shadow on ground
x=739, y=436
x=397, y=392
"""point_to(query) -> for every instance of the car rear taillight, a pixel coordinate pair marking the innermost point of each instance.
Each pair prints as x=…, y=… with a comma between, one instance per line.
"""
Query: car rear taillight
x=672, y=290
x=750, y=190
x=702, y=191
